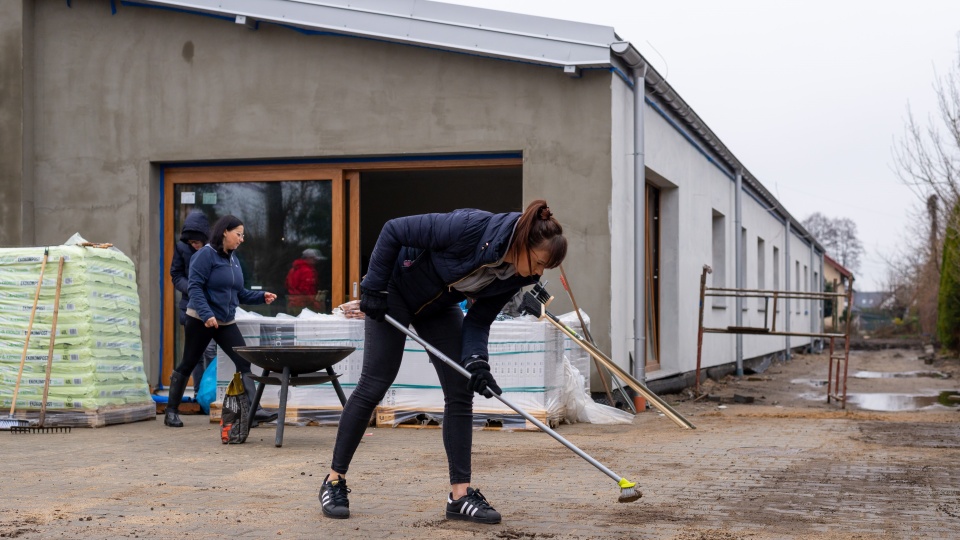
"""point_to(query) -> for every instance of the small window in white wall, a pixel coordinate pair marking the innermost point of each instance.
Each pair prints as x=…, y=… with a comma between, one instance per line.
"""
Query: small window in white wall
x=776, y=268
x=817, y=287
x=806, y=286
x=761, y=270
x=796, y=287
x=742, y=267
x=719, y=257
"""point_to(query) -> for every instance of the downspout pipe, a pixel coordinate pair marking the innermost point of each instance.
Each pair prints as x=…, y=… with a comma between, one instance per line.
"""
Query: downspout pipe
x=738, y=265
x=638, y=66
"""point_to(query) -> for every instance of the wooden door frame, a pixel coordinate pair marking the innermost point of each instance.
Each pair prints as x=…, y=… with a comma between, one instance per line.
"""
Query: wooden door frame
x=345, y=175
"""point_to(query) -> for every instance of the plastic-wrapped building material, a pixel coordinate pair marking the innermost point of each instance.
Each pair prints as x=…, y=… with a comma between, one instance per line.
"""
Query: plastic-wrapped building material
x=526, y=357
x=97, y=375
x=578, y=356
x=316, y=404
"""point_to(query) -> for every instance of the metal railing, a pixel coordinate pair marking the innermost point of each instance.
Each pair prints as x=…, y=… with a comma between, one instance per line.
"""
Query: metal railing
x=836, y=382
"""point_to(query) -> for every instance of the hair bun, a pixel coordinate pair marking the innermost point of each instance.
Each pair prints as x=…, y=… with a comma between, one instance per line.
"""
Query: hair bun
x=545, y=213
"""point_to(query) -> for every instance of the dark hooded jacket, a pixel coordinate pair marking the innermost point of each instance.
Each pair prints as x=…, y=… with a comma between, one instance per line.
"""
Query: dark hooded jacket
x=424, y=256
x=195, y=227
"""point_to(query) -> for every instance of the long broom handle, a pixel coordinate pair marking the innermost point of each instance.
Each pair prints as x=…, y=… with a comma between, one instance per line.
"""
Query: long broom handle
x=436, y=352
x=26, y=342
x=664, y=407
x=53, y=339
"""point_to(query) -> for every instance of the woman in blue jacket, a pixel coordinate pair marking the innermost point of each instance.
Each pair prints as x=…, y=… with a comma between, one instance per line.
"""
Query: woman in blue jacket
x=421, y=268
x=216, y=289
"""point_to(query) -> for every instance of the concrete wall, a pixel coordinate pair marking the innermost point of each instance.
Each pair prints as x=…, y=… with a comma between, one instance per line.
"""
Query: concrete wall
x=118, y=94
x=16, y=108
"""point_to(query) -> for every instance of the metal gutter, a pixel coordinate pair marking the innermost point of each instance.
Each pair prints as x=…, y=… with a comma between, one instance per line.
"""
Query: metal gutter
x=484, y=32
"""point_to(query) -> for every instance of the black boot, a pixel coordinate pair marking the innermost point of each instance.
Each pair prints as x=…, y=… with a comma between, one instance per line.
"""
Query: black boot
x=260, y=415
x=178, y=383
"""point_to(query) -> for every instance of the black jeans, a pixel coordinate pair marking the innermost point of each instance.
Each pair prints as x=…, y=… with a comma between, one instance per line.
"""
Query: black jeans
x=196, y=337
x=382, y=352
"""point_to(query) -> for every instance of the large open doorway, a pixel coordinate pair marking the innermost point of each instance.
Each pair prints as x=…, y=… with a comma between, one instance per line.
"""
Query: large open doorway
x=333, y=211
x=385, y=195
x=652, y=273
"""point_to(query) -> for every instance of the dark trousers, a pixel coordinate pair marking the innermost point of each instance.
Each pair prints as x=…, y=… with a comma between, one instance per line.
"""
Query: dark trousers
x=196, y=337
x=382, y=352
x=208, y=355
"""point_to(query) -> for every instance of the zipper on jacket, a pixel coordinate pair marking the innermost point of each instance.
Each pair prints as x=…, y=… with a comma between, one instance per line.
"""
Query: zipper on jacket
x=450, y=285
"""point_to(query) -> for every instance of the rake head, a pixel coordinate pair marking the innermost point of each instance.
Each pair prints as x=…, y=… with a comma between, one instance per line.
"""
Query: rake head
x=37, y=429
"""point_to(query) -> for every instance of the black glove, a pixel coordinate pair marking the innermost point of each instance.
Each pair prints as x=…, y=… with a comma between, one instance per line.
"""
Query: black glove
x=373, y=303
x=481, y=380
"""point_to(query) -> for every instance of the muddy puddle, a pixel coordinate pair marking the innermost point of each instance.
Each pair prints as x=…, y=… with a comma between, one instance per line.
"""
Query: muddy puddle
x=816, y=383
x=903, y=402
x=900, y=375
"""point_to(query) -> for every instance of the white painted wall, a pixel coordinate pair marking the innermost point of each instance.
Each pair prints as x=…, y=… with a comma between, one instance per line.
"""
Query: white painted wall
x=621, y=223
x=693, y=190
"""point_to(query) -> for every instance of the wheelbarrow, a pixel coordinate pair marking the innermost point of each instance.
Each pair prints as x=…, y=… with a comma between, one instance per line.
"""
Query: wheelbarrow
x=293, y=366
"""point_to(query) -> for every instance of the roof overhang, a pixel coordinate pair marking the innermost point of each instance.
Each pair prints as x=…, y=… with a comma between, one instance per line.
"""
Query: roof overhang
x=840, y=268
x=470, y=30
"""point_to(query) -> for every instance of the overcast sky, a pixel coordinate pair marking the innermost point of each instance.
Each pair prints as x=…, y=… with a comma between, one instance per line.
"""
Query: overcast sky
x=810, y=96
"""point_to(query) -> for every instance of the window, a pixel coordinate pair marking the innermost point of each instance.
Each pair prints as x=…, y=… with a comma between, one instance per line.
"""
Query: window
x=776, y=268
x=817, y=286
x=761, y=270
x=719, y=256
x=806, y=287
x=776, y=273
x=742, y=263
x=796, y=280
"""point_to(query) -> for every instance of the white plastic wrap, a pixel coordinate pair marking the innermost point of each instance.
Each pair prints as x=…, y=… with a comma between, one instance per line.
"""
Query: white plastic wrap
x=581, y=408
x=526, y=357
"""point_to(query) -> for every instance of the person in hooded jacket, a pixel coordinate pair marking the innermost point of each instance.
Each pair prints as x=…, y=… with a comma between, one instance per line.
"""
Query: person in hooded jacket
x=421, y=268
x=193, y=237
x=216, y=290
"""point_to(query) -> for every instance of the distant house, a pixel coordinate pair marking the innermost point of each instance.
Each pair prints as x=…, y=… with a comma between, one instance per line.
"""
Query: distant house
x=869, y=300
x=841, y=278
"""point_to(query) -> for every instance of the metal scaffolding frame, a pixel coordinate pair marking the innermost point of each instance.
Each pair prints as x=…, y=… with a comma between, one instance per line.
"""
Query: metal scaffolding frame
x=836, y=381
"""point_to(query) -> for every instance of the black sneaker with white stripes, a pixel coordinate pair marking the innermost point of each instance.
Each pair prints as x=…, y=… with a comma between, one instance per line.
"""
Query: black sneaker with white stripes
x=333, y=498
x=472, y=507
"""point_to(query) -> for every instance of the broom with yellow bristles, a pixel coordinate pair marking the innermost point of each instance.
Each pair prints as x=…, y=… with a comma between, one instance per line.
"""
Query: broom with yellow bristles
x=628, y=489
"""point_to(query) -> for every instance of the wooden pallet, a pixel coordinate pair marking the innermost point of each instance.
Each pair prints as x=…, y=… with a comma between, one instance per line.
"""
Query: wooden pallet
x=104, y=416
x=311, y=416
x=488, y=421
x=185, y=408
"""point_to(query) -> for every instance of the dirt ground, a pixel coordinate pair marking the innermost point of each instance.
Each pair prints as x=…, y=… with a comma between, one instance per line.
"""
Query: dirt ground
x=786, y=466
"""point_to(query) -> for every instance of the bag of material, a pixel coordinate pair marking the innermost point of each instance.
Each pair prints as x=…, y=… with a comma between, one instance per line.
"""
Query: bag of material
x=208, y=387
x=580, y=407
x=235, y=419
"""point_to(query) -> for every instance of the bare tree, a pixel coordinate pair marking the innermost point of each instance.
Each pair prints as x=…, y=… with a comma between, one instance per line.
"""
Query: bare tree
x=927, y=159
x=838, y=236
